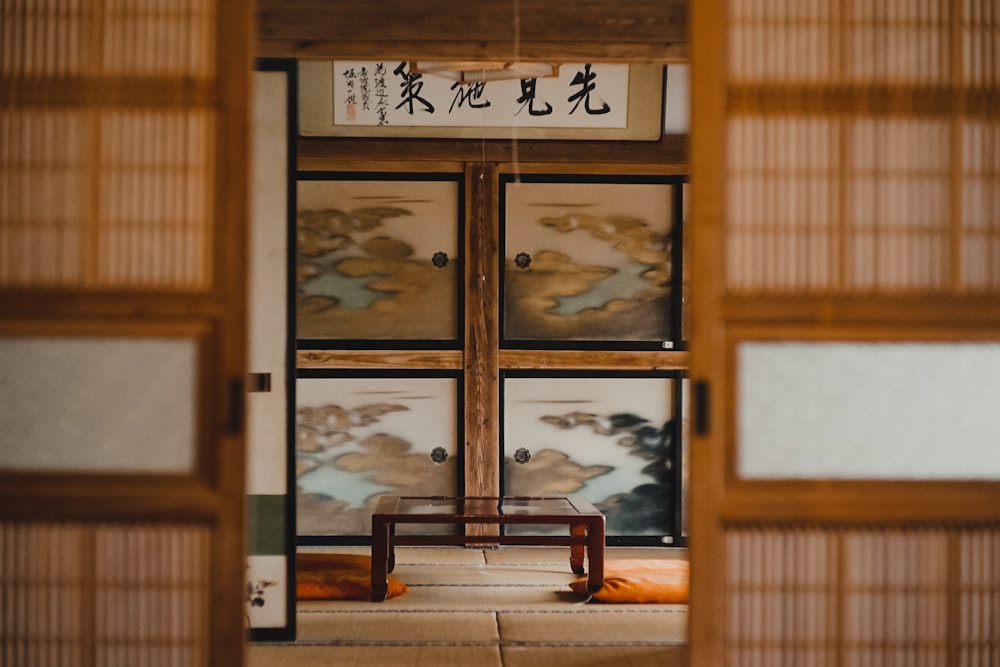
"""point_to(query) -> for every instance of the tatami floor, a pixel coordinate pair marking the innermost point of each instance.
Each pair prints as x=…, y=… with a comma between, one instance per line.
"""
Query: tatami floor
x=509, y=607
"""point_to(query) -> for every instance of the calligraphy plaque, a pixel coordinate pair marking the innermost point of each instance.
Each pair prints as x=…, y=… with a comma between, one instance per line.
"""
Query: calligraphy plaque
x=388, y=99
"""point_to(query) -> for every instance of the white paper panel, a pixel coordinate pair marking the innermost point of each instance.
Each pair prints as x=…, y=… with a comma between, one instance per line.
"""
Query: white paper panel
x=868, y=410
x=267, y=591
x=267, y=432
x=677, y=101
x=88, y=404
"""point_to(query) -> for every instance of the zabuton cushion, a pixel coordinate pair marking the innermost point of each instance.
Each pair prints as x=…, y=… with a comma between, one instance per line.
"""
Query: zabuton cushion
x=641, y=581
x=323, y=576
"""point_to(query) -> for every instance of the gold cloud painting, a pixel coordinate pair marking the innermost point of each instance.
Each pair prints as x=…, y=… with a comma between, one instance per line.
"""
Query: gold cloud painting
x=611, y=440
x=358, y=438
x=588, y=261
x=377, y=257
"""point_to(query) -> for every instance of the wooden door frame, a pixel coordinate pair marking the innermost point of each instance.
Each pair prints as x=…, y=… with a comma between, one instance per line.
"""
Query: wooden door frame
x=640, y=31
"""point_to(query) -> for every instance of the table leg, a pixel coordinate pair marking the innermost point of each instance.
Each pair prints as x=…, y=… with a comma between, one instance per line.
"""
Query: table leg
x=392, y=547
x=380, y=559
x=595, y=555
x=576, y=550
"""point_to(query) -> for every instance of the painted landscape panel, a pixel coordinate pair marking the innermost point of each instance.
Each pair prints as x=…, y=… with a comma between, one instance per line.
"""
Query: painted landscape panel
x=358, y=438
x=377, y=258
x=587, y=261
x=608, y=439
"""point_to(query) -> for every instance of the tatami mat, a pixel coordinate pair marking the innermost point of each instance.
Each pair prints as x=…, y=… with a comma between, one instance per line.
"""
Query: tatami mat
x=509, y=607
x=417, y=555
x=560, y=556
x=659, y=624
x=447, y=597
x=592, y=656
x=260, y=655
x=398, y=628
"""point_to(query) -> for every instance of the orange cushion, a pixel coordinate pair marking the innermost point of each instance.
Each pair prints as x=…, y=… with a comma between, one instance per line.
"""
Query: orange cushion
x=321, y=576
x=641, y=581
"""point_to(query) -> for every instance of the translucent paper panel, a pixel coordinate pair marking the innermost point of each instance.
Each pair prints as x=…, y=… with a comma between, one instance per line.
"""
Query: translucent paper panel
x=151, y=589
x=898, y=208
x=790, y=41
x=93, y=197
x=779, y=596
x=860, y=199
x=159, y=37
x=981, y=205
x=821, y=205
x=902, y=41
x=782, y=205
x=358, y=438
x=831, y=598
x=155, y=201
x=868, y=410
x=51, y=38
x=979, y=585
x=142, y=220
x=859, y=41
x=102, y=405
x=106, y=594
x=895, y=595
x=133, y=37
x=44, y=188
x=980, y=42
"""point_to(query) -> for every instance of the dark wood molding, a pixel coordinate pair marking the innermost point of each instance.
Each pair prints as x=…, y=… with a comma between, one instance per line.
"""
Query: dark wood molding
x=670, y=151
x=582, y=30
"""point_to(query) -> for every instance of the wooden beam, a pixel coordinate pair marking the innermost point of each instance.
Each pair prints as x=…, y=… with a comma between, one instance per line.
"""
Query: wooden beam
x=669, y=150
x=482, y=305
x=593, y=359
x=581, y=30
x=439, y=359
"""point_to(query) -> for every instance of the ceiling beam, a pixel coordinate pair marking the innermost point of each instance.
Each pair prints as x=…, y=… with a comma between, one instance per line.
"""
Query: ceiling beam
x=639, y=31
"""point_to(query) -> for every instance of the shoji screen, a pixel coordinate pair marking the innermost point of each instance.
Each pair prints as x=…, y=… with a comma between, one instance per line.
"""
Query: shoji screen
x=863, y=147
x=104, y=594
x=123, y=145
x=846, y=171
x=107, y=142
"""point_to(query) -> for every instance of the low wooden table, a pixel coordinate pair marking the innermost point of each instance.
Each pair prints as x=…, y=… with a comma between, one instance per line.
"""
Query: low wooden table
x=586, y=529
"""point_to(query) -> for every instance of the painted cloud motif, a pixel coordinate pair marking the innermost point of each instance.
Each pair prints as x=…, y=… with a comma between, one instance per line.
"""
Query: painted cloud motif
x=364, y=265
x=347, y=457
x=643, y=506
x=595, y=274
